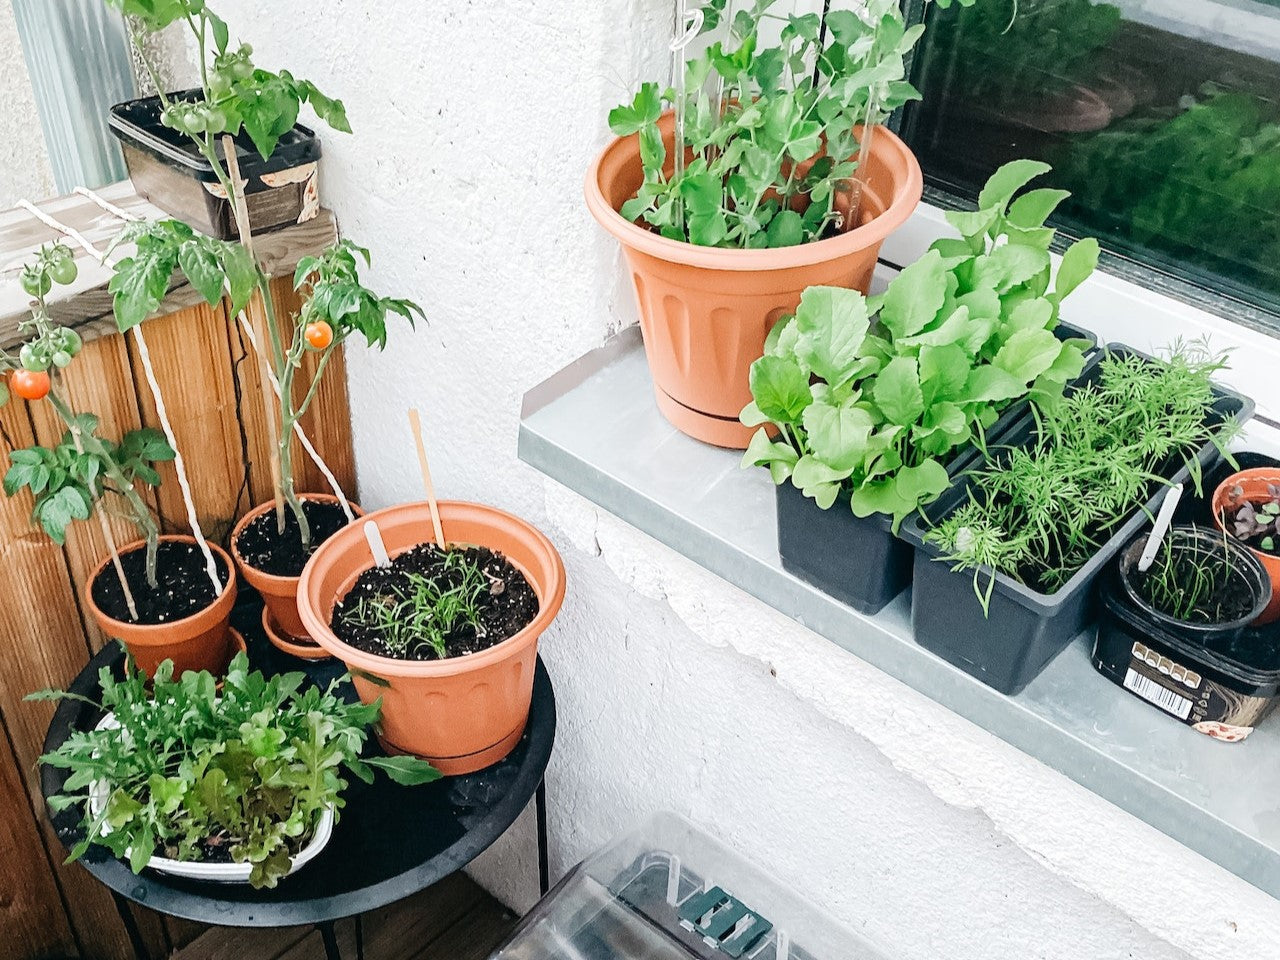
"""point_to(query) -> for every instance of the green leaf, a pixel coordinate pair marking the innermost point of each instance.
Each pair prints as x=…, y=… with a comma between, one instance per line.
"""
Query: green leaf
x=140, y=283
x=897, y=391
x=944, y=370
x=818, y=481
x=838, y=435
x=902, y=493
x=242, y=275
x=1008, y=266
x=915, y=296
x=645, y=109
x=781, y=389
x=1033, y=208
x=1028, y=353
x=406, y=771
x=786, y=229
x=201, y=266
x=991, y=385
x=972, y=223
x=1035, y=314
x=1078, y=263
x=831, y=324
x=780, y=458
x=1007, y=181
x=221, y=35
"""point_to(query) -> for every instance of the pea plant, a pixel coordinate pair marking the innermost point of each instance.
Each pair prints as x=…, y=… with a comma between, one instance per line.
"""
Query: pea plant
x=237, y=97
x=83, y=471
x=866, y=398
x=773, y=148
x=240, y=770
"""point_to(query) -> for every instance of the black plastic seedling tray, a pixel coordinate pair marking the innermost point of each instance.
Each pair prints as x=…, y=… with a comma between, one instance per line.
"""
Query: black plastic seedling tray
x=1025, y=628
x=167, y=169
x=859, y=560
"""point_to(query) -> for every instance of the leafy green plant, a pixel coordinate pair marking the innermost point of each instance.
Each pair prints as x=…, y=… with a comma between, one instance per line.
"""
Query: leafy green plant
x=1193, y=579
x=425, y=611
x=240, y=774
x=867, y=397
x=82, y=471
x=239, y=98
x=1256, y=522
x=1039, y=512
x=748, y=181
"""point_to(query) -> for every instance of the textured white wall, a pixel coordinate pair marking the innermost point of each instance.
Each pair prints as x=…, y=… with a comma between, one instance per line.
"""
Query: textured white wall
x=24, y=160
x=474, y=124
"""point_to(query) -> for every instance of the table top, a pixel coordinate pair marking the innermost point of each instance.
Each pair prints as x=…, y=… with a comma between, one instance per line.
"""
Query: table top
x=390, y=841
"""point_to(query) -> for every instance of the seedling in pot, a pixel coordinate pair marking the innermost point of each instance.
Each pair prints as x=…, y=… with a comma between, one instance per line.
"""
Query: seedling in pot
x=1255, y=522
x=239, y=97
x=84, y=473
x=774, y=146
x=869, y=398
x=1196, y=580
x=238, y=774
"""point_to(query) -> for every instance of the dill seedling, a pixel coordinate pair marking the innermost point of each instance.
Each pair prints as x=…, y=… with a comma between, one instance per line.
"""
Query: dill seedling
x=1191, y=579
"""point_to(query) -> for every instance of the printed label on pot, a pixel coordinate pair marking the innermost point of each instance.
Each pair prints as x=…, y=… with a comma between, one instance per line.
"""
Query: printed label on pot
x=1197, y=701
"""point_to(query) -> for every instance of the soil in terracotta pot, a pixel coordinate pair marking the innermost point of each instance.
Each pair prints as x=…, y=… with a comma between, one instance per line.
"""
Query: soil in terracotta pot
x=184, y=587
x=1257, y=524
x=264, y=548
x=431, y=604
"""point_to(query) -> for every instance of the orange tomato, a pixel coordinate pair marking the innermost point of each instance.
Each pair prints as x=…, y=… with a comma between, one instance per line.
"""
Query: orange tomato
x=319, y=334
x=29, y=384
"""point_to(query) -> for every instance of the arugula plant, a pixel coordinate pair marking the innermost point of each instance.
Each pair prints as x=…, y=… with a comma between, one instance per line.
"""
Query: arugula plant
x=239, y=98
x=867, y=398
x=1039, y=512
x=241, y=774
x=748, y=181
x=83, y=470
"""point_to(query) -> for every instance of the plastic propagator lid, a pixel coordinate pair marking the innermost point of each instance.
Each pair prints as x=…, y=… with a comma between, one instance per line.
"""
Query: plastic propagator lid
x=668, y=891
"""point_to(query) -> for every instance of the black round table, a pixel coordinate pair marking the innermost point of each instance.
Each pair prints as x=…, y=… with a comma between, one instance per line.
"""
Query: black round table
x=389, y=843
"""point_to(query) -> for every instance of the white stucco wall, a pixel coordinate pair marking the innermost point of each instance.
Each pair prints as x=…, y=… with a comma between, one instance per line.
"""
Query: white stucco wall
x=474, y=125
x=24, y=161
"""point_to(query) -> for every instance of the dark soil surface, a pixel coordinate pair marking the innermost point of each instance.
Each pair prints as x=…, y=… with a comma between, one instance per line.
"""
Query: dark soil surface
x=264, y=548
x=1264, y=541
x=505, y=603
x=184, y=587
x=1228, y=600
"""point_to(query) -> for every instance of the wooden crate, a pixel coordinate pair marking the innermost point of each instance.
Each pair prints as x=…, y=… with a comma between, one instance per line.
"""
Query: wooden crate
x=211, y=384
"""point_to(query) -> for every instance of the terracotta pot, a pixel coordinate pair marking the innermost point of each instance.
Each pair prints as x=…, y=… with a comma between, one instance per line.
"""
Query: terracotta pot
x=1254, y=483
x=464, y=713
x=198, y=642
x=705, y=311
x=280, y=594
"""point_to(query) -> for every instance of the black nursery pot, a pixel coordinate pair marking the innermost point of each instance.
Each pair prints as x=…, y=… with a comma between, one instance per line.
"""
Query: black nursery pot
x=1024, y=629
x=856, y=560
x=1223, y=687
x=167, y=169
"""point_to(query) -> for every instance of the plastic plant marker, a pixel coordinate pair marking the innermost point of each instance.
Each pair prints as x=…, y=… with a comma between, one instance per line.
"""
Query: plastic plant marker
x=376, y=546
x=415, y=422
x=1163, y=521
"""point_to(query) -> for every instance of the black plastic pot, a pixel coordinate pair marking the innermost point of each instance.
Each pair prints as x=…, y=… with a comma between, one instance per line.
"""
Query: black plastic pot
x=167, y=169
x=1223, y=692
x=1024, y=629
x=856, y=560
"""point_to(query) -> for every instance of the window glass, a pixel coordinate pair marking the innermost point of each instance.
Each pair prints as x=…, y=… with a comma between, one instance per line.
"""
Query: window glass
x=1160, y=116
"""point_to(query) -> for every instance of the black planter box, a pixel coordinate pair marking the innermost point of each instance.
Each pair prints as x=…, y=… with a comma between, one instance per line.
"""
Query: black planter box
x=1025, y=629
x=167, y=169
x=858, y=561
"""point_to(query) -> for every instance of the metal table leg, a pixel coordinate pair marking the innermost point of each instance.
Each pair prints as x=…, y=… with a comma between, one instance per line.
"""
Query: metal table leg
x=544, y=859
x=330, y=938
x=131, y=927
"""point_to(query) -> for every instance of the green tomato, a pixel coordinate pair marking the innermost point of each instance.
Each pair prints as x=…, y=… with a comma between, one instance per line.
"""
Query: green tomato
x=215, y=119
x=70, y=341
x=61, y=359
x=36, y=282
x=34, y=358
x=219, y=84
x=63, y=271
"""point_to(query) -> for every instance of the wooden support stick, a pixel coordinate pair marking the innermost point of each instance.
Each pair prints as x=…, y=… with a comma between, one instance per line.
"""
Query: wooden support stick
x=258, y=319
x=415, y=422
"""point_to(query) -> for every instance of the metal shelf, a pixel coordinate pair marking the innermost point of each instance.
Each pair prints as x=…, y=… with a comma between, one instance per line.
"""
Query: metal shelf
x=595, y=428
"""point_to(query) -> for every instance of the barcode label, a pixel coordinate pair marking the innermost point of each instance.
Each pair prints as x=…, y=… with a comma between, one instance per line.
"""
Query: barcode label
x=1162, y=697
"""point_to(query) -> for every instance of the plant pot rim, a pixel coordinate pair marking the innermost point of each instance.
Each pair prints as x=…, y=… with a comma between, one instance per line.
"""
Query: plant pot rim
x=548, y=606
x=134, y=629
x=1262, y=597
x=781, y=258
x=259, y=510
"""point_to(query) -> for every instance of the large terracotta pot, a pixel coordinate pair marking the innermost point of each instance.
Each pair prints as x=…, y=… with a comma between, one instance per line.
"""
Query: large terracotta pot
x=201, y=641
x=464, y=713
x=1253, y=484
x=280, y=618
x=705, y=311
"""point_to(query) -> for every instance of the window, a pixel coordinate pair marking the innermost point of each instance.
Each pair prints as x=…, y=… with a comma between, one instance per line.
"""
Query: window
x=1160, y=116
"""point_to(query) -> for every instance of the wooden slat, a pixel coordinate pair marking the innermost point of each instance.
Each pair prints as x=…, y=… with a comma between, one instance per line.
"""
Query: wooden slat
x=42, y=644
x=193, y=366
x=100, y=382
x=86, y=304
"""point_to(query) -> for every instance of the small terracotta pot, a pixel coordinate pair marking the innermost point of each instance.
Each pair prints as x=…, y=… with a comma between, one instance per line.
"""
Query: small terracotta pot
x=279, y=594
x=705, y=311
x=464, y=713
x=1254, y=484
x=198, y=642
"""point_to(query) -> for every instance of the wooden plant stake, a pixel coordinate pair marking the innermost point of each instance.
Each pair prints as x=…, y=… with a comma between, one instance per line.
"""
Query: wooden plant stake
x=415, y=422
x=258, y=318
